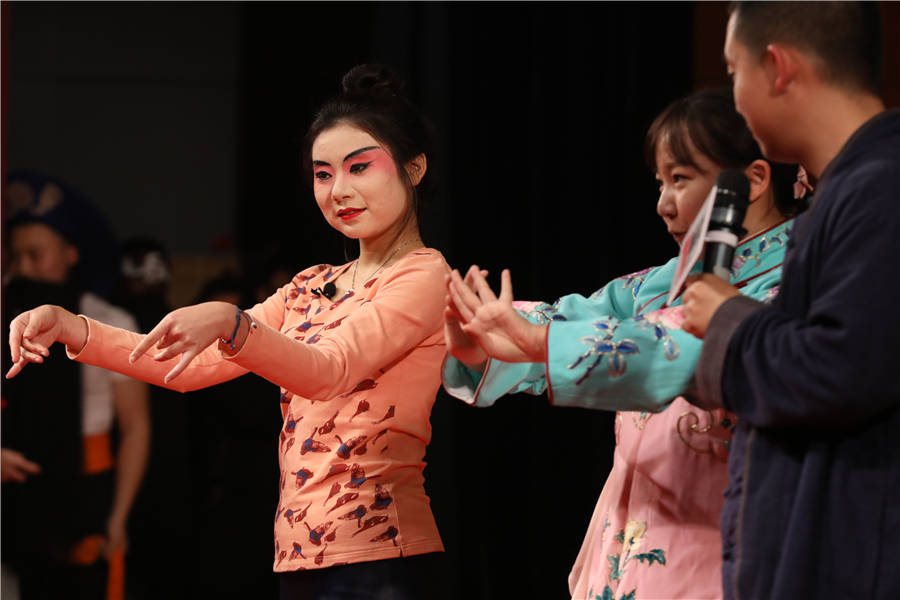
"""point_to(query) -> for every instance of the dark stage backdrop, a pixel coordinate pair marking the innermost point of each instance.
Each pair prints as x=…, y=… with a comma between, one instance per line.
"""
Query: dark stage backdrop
x=540, y=111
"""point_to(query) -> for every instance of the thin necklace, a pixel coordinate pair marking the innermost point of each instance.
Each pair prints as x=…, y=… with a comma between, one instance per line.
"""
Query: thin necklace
x=356, y=265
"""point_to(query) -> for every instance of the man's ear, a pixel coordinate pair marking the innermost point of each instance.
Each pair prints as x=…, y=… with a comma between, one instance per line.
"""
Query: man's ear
x=780, y=65
x=759, y=173
x=416, y=169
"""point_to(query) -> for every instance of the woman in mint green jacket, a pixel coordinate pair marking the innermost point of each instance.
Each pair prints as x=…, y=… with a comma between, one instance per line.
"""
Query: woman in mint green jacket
x=655, y=529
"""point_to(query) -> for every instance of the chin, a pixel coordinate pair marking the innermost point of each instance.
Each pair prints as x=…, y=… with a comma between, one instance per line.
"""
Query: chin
x=773, y=148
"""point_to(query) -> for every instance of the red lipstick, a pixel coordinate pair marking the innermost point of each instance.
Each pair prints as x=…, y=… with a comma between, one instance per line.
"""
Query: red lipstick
x=349, y=213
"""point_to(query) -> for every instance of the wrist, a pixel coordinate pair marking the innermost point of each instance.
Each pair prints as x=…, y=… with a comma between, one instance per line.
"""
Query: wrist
x=231, y=327
x=479, y=367
x=74, y=330
x=538, y=342
x=242, y=326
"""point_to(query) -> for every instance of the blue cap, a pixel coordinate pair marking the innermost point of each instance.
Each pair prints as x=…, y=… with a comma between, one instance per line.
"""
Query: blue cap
x=32, y=197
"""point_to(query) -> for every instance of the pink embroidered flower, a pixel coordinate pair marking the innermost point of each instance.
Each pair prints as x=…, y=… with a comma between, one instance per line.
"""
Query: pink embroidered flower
x=525, y=305
x=671, y=318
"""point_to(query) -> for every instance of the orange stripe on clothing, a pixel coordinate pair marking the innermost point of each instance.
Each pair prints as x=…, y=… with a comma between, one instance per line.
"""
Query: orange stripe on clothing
x=87, y=551
x=97, y=453
x=115, y=584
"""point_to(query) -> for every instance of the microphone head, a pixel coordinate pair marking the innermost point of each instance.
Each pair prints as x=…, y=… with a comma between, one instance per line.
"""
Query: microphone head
x=732, y=189
x=726, y=221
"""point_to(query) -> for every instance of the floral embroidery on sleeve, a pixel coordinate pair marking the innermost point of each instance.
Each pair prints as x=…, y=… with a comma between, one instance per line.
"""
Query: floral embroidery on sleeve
x=603, y=345
x=635, y=281
x=661, y=321
x=539, y=312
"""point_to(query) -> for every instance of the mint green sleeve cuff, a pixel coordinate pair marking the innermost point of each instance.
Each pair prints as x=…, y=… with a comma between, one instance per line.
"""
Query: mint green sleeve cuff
x=499, y=378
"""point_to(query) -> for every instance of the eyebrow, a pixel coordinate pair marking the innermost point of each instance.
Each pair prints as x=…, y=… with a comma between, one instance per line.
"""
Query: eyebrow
x=322, y=163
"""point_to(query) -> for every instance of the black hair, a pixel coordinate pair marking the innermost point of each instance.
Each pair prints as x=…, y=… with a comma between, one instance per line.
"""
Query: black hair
x=372, y=101
x=708, y=121
x=845, y=37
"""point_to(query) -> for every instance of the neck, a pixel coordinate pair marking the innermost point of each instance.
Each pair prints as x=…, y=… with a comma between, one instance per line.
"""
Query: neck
x=761, y=215
x=375, y=251
x=829, y=124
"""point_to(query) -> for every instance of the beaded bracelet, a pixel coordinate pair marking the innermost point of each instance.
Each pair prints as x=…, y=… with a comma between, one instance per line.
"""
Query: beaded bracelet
x=237, y=325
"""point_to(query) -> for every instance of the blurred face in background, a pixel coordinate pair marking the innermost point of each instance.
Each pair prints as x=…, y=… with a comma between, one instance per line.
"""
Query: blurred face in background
x=38, y=252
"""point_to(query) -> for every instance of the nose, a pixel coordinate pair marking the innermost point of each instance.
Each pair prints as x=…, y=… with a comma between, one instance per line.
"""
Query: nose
x=665, y=206
x=21, y=266
x=341, y=190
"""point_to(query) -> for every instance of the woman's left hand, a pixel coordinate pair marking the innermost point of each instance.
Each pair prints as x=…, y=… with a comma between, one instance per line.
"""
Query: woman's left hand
x=187, y=331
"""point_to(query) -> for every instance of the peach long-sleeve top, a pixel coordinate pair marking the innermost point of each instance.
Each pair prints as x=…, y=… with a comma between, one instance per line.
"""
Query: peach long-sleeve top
x=358, y=377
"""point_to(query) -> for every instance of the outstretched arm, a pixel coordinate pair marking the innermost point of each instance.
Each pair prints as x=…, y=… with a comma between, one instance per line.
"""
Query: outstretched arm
x=33, y=332
x=188, y=331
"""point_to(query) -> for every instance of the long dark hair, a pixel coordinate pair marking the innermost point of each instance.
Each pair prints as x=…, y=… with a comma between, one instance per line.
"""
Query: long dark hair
x=708, y=121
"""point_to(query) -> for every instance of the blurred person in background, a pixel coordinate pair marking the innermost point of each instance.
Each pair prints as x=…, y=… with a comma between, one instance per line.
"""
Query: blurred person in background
x=162, y=524
x=75, y=441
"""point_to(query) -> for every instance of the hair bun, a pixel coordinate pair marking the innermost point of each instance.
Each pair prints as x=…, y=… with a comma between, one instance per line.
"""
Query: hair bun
x=374, y=80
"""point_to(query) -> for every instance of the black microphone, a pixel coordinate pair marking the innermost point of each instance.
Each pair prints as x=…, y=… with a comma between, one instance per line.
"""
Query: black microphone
x=328, y=290
x=725, y=222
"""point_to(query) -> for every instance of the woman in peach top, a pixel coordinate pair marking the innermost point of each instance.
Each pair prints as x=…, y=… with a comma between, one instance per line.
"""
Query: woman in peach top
x=356, y=349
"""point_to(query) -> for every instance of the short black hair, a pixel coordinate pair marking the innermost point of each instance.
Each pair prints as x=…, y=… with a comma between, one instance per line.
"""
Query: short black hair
x=708, y=121
x=844, y=36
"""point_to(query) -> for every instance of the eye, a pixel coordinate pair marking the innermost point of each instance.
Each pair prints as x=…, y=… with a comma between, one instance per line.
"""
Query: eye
x=680, y=177
x=358, y=168
x=322, y=175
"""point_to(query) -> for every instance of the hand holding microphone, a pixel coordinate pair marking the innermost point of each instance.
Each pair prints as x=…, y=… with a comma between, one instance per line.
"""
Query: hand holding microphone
x=705, y=293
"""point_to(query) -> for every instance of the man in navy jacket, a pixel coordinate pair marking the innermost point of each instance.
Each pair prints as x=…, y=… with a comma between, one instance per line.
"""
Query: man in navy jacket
x=813, y=506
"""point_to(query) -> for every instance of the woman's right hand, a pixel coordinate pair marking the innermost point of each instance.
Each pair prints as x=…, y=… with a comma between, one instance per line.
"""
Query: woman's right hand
x=491, y=322
x=459, y=344
x=15, y=467
x=33, y=332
